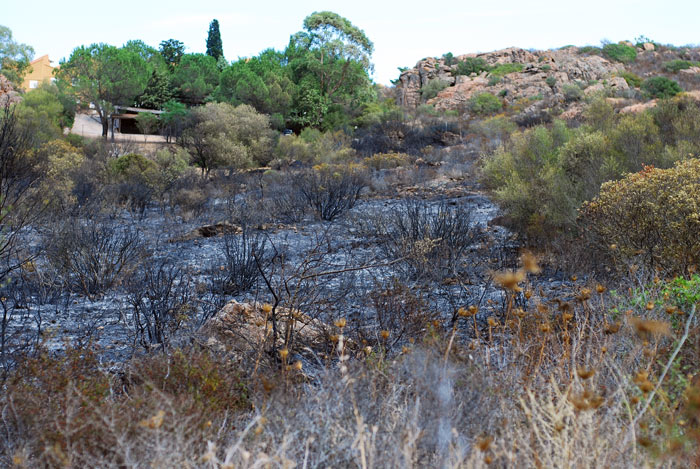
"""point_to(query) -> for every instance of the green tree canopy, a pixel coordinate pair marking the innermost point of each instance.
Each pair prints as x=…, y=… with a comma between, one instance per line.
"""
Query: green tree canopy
x=14, y=57
x=172, y=51
x=215, y=47
x=195, y=78
x=330, y=62
x=263, y=82
x=222, y=136
x=105, y=76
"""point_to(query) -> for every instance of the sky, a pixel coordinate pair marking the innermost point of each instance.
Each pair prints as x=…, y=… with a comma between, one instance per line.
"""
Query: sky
x=402, y=32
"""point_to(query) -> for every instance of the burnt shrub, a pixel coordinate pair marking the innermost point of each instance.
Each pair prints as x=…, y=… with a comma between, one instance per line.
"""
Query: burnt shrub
x=243, y=254
x=429, y=239
x=651, y=217
x=162, y=302
x=92, y=256
x=331, y=190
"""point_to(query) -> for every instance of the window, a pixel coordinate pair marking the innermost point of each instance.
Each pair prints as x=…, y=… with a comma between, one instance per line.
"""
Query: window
x=33, y=84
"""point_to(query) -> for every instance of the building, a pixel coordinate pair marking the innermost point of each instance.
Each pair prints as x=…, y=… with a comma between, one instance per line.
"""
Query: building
x=40, y=70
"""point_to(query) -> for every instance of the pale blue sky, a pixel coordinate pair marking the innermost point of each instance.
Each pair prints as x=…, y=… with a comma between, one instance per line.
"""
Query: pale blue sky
x=402, y=32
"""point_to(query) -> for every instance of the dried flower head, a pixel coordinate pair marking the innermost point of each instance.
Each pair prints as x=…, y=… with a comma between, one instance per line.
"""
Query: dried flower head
x=585, y=373
x=545, y=328
x=510, y=280
x=493, y=322
x=600, y=288
x=613, y=328
x=340, y=323
x=284, y=353
x=650, y=326
x=484, y=443
x=266, y=308
x=530, y=263
x=384, y=334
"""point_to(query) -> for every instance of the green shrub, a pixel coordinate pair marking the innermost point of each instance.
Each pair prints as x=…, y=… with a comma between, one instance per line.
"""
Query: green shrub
x=529, y=183
x=471, y=65
x=551, y=81
x=432, y=88
x=505, y=69
x=620, y=52
x=593, y=50
x=674, y=66
x=632, y=79
x=484, y=103
x=571, y=92
x=449, y=59
x=494, y=80
x=652, y=217
x=661, y=87
x=546, y=68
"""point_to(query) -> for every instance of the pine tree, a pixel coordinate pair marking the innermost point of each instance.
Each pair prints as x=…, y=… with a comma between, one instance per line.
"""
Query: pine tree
x=214, y=46
x=157, y=92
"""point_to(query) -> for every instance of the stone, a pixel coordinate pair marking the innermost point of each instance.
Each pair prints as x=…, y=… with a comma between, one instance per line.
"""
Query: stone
x=648, y=46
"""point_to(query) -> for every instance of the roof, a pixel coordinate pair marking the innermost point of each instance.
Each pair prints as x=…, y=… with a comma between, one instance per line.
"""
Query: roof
x=137, y=109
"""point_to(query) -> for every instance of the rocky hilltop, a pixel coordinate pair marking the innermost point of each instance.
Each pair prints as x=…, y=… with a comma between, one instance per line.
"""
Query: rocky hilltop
x=544, y=79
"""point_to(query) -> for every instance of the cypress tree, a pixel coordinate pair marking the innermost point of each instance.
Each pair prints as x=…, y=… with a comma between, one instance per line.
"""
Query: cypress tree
x=214, y=46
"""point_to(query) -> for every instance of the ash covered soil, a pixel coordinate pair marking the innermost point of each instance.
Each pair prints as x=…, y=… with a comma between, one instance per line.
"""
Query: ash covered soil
x=327, y=269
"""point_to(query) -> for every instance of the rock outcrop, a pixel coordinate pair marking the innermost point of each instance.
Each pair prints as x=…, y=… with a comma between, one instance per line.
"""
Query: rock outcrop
x=543, y=76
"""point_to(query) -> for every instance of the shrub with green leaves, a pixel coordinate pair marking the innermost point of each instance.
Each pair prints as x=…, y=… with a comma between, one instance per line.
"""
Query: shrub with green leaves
x=620, y=52
x=675, y=66
x=484, y=103
x=471, y=65
x=652, y=217
x=661, y=87
x=571, y=92
x=504, y=69
x=432, y=88
x=632, y=79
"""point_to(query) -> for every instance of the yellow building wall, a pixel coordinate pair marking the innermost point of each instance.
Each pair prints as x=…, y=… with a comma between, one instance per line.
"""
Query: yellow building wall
x=40, y=70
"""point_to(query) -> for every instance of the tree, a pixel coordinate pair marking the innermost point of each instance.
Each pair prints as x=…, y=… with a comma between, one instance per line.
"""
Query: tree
x=335, y=44
x=173, y=120
x=172, y=51
x=14, y=57
x=158, y=91
x=215, y=47
x=219, y=135
x=147, y=123
x=195, y=78
x=330, y=61
x=105, y=76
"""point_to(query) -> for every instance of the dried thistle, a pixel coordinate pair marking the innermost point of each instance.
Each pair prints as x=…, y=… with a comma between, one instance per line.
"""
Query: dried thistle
x=510, y=280
x=530, y=263
x=584, y=373
x=650, y=326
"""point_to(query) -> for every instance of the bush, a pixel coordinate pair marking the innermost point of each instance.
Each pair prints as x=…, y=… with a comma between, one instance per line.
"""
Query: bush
x=504, y=69
x=551, y=81
x=432, y=88
x=161, y=299
x=484, y=103
x=661, y=87
x=674, y=66
x=386, y=160
x=242, y=253
x=652, y=216
x=93, y=256
x=429, y=239
x=620, y=52
x=571, y=92
x=471, y=65
x=331, y=190
x=632, y=79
